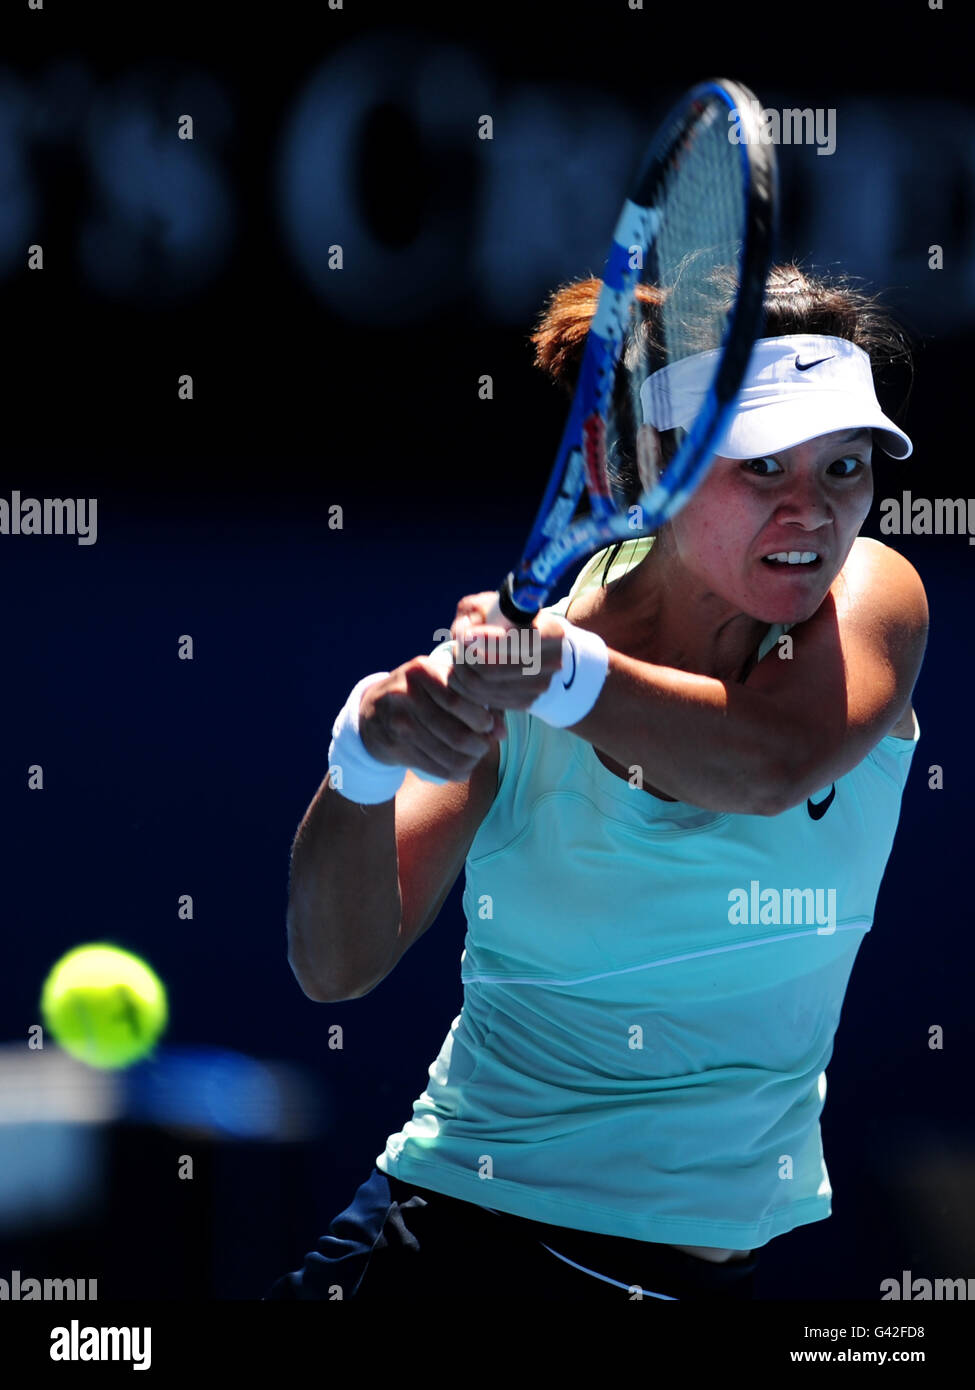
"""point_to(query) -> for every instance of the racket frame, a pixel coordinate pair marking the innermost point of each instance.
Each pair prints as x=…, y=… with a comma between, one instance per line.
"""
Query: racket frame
x=555, y=542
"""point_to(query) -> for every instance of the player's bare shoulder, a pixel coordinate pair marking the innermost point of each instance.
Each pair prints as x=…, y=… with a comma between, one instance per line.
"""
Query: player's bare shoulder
x=882, y=592
x=882, y=584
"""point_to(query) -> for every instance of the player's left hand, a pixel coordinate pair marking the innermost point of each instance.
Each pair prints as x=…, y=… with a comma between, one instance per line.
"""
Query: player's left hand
x=478, y=610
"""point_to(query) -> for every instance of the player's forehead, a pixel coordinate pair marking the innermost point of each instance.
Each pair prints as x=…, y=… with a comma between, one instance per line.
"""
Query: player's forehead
x=860, y=437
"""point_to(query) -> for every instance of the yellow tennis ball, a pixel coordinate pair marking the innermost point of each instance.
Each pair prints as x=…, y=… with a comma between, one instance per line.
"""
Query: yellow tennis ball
x=104, y=1005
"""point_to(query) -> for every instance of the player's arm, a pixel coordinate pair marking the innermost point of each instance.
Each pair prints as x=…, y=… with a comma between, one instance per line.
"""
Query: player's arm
x=795, y=725
x=366, y=881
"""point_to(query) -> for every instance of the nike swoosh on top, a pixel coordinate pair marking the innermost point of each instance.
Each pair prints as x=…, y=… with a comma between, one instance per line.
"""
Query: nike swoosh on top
x=818, y=809
x=572, y=649
x=804, y=366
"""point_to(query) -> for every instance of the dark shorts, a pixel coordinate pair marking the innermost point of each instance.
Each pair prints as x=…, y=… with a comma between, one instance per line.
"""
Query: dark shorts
x=398, y=1241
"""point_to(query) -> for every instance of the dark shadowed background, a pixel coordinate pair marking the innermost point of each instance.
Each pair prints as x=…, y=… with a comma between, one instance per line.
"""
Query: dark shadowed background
x=357, y=387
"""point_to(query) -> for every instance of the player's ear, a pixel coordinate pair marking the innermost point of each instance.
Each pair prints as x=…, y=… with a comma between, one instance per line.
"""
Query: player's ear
x=649, y=457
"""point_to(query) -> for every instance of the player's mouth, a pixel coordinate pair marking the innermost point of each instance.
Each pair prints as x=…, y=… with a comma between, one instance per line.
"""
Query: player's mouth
x=793, y=561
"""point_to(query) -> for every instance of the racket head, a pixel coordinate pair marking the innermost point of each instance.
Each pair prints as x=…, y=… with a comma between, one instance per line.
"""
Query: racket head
x=684, y=278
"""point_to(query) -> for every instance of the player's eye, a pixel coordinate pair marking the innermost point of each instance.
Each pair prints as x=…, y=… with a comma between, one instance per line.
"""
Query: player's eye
x=758, y=466
x=856, y=465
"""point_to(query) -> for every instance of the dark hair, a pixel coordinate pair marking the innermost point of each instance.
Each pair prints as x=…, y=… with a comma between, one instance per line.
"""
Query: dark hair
x=796, y=301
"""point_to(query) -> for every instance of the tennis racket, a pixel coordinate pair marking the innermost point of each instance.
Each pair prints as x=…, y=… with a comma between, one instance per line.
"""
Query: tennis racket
x=685, y=275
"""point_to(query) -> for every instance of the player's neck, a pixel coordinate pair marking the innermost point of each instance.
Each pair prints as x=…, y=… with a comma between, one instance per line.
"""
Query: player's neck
x=662, y=614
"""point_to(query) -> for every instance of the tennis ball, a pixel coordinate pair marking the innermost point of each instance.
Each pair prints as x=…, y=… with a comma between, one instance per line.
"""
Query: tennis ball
x=104, y=1005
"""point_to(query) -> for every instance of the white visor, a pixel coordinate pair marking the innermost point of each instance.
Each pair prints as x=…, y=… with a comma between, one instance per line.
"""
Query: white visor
x=795, y=389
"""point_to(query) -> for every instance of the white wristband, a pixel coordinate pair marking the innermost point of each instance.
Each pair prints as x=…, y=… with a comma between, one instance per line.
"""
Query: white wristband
x=574, y=690
x=361, y=777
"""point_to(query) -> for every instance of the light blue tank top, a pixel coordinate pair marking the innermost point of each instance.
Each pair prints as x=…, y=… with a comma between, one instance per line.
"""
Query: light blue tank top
x=651, y=992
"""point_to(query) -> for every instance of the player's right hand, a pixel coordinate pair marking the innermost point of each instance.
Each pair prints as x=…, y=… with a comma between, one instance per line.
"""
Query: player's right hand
x=411, y=718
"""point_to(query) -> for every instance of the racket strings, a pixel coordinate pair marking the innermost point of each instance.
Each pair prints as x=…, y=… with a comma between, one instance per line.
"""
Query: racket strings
x=686, y=293
x=698, y=242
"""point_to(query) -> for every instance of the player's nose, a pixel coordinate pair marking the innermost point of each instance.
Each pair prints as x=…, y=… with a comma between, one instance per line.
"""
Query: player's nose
x=805, y=501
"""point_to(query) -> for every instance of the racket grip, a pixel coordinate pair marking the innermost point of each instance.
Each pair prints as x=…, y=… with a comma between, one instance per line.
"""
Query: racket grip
x=506, y=612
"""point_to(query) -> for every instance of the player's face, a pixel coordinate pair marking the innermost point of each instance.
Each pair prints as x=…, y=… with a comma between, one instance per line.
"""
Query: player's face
x=810, y=499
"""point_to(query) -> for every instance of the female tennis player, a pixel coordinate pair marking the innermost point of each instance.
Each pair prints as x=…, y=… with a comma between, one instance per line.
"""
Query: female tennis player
x=665, y=899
